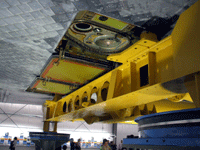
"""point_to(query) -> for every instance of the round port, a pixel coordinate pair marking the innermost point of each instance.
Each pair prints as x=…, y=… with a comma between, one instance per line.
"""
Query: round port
x=103, y=18
x=82, y=27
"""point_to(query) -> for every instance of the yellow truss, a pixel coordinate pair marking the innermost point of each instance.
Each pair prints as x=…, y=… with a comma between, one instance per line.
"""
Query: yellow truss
x=120, y=96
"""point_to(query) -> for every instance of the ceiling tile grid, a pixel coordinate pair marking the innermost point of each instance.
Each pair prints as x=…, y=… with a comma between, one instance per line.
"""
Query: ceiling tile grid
x=31, y=29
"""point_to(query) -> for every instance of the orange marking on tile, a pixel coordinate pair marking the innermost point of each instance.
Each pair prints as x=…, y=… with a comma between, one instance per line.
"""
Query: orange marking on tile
x=36, y=84
x=49, y=67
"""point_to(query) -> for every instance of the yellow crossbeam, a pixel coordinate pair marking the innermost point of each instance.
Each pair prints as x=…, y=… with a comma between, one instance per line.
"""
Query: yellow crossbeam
x=151, y=79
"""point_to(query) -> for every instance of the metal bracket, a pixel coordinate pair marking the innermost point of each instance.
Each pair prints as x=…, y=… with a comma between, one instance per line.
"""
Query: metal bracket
x=45, y=81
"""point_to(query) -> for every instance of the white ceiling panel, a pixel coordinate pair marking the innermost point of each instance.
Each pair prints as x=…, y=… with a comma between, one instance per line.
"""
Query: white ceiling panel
x=32, y=110
x=83, y=126
x=3, y=117
x=11, y=108
x=8, y=123
x=25, y=121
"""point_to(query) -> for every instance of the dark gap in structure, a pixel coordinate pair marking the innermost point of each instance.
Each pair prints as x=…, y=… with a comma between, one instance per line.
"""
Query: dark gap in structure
x=104, y=93
x=64, y=107
x=144, y=76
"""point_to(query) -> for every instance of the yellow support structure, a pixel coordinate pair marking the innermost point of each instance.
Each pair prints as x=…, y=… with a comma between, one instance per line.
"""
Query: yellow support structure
x=49, y=110
x=154, y=77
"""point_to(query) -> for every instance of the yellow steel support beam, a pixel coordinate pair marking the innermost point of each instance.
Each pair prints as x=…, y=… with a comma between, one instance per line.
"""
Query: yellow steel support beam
x=185, y=38
x=193, y=85
x=49, y=109
x=153, y=78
